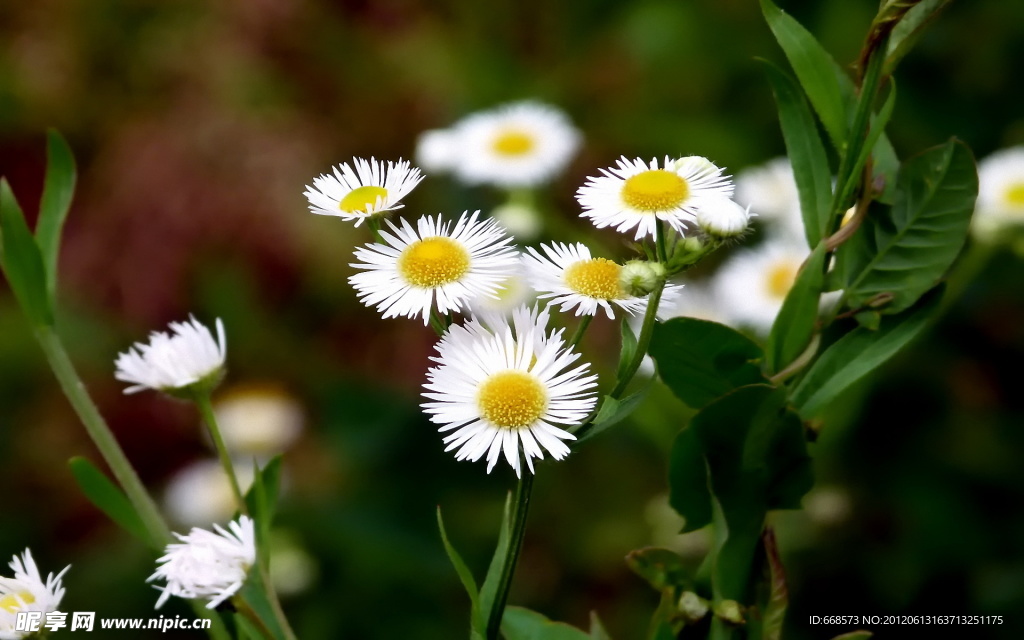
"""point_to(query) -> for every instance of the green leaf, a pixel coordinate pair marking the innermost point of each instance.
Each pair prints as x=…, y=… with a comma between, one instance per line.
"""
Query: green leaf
x=794, y=325
x=814, y=67
x=108, y=498
x=614, y=411
x=858, y=353
x=629, y=345
x=905, y=251
x=246, y=629
x=756, y=460
x=855, y=635
x=22, y=262
x=702, y=360
x=58, y=189
x=597, y=630
x=909, y=29
x=523, y=624
x=661, y=568
x=778, y=593
x=878, y=124
x=489, y=589
x=689, y=493
x=869, y=319
x=806, y=153
x=465, y=575
x=254, y=594
x=261, y=501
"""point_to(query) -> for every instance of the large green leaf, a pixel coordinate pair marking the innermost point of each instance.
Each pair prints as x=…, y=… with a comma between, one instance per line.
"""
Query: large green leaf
x=858, y=353
x=814, y=67
x=794, y=325
x=58, y=189
x=756, y=460
x=105, y=495
x=806, y=153
x=702, y=360
x=523, y=624
x=22, y=261
x=904, y=252
x=688, y=493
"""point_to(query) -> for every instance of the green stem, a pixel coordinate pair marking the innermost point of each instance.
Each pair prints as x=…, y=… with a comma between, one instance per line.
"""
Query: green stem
x=374, y=223
x=581, y=328
x=437, y=323
x=515, y=545
x=102, y=437
x=275, y=602
x=659, y=240
x=202, y=401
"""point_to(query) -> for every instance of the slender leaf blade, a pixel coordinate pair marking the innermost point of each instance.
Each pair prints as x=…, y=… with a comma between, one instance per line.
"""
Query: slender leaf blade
x=465, y=575
x=794, y=325
x=108, y=498
x=58, y=190
x=22, y=262
x=489, y=588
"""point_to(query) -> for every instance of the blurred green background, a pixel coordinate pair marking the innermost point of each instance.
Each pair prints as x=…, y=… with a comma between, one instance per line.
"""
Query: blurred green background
x=196, y=126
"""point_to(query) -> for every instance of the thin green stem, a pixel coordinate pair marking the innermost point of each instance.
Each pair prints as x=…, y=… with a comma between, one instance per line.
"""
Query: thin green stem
x=518, y=531
x=581, y=328
x=202, y=401
x=102, y=437
x=437, y=323
x=373, y=222
x=659, y=240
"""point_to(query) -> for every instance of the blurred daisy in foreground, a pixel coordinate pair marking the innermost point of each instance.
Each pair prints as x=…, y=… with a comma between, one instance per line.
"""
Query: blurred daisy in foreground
x=1000, y=193
x=186, y=357
x=523, y=144
x=507, y=384
x=200, y=493
x=27, y=592
x=259, y=421
x=210, y=565
x=634, y=194
x=357, y=194
x=433, y=264
x=751, y=286
x=513, y=291
x=769, y=190
x=572, y=278
x=292, y=569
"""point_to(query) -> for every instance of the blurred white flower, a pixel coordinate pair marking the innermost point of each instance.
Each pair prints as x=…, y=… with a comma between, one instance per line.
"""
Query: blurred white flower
x=292, y=569
x=751, y=286
x=505, y=383
x=200, y=493
x=1000, y=193
x=258, y=421
x=722, y=218
x=437, y=150
x=357, y=194
x=634, y=194
x=433, y=265
x=174, y=361
x=522, y=221
x=769, y=190
x=522, y=144
x=513, y=291
x=27, y=591
x=210, y=565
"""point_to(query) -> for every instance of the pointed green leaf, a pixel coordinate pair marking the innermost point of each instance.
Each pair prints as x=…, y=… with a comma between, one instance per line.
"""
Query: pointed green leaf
x=905, y=250
x=489, y=589
x=108, y=498
x=628, y=347
x=778, y=593
x=22, y=262
x=909, y=29
x=58, y=190
x=523, y=624
x=814, y=67
x=246, y=629
x=806, y=154
x=261, y=501
x=661, y=568
x=702, y=360
x=597, y=630
x=871, y=143
x=615, y=411
x=465, y=575
x=858, y=353
x=254, y=594
x=794, y=326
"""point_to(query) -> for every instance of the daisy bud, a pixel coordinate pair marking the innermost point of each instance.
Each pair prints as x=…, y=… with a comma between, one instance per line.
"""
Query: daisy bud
x=692, y=606
x=639, y=277
x=730, y=611
x=723, y=218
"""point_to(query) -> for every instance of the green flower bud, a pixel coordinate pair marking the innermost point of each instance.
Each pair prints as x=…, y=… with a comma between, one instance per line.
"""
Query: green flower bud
x=639, y=278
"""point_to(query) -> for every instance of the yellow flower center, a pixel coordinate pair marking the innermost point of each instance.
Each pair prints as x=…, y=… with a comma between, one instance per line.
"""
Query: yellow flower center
x=432, y=262
x=512, y=399
x=1015, y=194
x=513, y=143
x=360, y=198
x=655, y=190
x=595, y=278
x=780, y=278
x=11, y=604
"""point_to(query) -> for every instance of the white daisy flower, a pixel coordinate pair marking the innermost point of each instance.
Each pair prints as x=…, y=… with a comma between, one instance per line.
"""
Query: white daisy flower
x=574, y=279
x=211, y=565
x=433, y=264
x=437, y=150
x=752, y=285
x=357, y=194
x=722, y=218
x=523, y=144
x=507, y=383
x=634, y=194
x=174, y=361
x=1000, y=193
x=27, y=591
